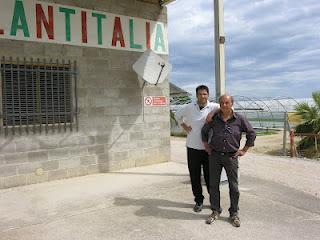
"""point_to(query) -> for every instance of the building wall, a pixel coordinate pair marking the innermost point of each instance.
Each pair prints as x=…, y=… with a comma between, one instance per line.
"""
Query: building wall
x=115, y=130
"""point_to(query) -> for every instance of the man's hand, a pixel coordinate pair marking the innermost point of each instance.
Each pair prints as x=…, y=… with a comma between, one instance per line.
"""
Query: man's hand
x=209, y=116
x=241, y=152
x=186, y=127
x=207, y=148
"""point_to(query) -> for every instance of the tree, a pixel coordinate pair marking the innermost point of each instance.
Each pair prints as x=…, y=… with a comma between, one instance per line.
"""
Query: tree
x=311, y=121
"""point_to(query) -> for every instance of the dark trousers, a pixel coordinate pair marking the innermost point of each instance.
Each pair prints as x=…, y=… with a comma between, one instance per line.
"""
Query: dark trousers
x=198, y=159
x=231, y=165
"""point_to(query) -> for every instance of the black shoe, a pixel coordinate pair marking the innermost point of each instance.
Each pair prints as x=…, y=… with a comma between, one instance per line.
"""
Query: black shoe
x=235, y=220
x=212, y=217
x=198, y=207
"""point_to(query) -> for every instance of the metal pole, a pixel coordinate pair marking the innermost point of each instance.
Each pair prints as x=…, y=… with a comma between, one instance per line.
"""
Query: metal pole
x=293, y=152
x=285, y=127
x=219, y=48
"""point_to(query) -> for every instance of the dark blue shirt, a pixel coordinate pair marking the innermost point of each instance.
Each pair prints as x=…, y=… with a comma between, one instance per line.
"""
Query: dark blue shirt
x=226, y=136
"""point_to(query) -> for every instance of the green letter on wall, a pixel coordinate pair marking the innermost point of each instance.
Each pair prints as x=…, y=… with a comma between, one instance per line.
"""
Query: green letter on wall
x=99, y=25
x=67, y=12
x=159, y=39
x=19, y=15
x=132, y=44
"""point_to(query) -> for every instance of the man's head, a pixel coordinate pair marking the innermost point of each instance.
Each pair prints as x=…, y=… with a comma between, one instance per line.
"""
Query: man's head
x=202, y=92
x=226, y=103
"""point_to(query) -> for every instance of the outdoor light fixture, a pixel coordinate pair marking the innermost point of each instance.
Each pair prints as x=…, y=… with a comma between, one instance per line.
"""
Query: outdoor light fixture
x=222, y=39
x=165, y=2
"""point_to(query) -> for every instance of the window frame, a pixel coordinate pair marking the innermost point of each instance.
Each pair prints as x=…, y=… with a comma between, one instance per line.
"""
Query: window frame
x=43, y=73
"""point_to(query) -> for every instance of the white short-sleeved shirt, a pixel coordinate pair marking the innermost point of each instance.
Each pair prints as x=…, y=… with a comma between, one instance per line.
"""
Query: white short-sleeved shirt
x=196, y=118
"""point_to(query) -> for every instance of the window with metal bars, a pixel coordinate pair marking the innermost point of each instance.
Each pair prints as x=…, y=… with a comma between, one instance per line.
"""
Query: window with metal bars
x=38, y=95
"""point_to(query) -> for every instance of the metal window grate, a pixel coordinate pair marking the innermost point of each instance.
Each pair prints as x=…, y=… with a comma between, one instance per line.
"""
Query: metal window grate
x=38, y=96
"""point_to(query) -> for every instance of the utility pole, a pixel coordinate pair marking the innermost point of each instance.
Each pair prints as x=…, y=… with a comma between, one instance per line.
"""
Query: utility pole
x=219, y=48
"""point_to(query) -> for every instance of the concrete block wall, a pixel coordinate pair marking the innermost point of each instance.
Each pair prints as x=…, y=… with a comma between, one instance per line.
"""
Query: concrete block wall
x=115, y=129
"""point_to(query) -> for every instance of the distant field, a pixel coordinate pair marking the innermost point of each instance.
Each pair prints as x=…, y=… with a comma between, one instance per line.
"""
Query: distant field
x=266, y=119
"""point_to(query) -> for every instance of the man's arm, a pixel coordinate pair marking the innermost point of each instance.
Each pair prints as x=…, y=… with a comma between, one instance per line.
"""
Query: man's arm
x=205, y=137
x=250, y=137
x=186, y=127
x=180, y=115
x=242, y=152
x=215, y=109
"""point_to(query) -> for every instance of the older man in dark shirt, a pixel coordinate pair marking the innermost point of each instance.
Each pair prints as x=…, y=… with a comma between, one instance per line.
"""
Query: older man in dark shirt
x=224, y=149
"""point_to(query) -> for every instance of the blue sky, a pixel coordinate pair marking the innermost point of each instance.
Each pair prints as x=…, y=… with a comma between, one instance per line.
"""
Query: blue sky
x=272, y=46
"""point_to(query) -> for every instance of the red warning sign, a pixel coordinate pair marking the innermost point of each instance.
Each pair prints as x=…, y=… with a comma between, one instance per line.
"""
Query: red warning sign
x=155, y=101
x=147, y=101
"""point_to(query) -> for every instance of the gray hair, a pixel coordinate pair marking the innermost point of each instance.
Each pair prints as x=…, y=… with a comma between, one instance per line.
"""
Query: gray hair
x=226, y=95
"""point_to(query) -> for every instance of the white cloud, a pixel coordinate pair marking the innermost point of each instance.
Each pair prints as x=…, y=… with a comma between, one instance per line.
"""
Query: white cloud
x=272, y=46
x=188, y=21
x=239, y=63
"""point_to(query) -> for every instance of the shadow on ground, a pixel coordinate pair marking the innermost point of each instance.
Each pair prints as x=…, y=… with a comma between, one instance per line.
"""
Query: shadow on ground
x=160, y=208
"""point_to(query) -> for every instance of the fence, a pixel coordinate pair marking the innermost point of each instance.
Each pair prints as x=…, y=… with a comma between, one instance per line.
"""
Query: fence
x=273, y=114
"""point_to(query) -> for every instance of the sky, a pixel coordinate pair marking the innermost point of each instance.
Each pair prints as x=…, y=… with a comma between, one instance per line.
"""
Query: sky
x=272, y=46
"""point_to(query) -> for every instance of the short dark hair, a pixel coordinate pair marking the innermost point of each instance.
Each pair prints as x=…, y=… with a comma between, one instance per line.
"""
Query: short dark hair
x=202, y=87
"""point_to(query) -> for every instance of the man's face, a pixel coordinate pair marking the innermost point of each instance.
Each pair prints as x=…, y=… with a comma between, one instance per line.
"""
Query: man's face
x=202, y=96
x=226, y=104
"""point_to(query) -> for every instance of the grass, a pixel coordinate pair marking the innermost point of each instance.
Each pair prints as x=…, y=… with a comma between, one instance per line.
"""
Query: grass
x=266, y=133
x=179, y=135
x=266, y=119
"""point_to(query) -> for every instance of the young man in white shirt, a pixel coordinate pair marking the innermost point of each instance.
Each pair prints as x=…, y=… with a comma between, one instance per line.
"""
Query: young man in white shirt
x=192, y=117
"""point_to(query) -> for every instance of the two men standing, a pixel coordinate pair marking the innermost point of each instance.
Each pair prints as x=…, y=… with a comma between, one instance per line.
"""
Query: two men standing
x=222, y=151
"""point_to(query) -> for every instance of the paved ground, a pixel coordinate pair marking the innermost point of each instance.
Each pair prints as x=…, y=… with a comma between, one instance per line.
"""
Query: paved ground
x=279, y=200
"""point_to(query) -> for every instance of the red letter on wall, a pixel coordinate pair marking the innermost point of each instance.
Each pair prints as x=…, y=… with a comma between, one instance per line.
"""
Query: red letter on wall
x=84, y=27
x=117, y=33
x=148, y=34
x=41, y=18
